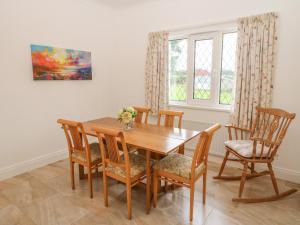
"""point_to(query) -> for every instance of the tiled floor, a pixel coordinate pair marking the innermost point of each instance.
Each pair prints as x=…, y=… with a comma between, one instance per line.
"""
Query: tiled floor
x=44, y=197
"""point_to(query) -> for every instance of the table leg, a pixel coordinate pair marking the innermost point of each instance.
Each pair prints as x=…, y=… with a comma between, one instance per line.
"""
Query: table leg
x=81, y=171
x=181, y=149
x=148, y=184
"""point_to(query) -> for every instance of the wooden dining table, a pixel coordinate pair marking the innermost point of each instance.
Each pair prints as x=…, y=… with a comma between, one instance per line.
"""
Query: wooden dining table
x=151, y=138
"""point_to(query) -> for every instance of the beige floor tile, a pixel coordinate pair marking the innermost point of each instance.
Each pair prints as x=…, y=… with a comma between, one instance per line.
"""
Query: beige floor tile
x=26, y=191
x=14, y=181
x=44, y=197
x=11, y=215
x=216, y=217
x=3, y=201
x=54, y=210
x=48, y=172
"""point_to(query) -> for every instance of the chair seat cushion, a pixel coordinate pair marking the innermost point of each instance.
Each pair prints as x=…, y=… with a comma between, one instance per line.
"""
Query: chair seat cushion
x=95, y=153
x=137, y=166
x=177, y=164
x=245, y=148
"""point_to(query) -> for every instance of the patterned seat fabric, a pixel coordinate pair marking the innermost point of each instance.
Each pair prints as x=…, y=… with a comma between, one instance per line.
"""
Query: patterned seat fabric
x=95, y=153
x=137, y=166
x=245, y=148
x=178, y=164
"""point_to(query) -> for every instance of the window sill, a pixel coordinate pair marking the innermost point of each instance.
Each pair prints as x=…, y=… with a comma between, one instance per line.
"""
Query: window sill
x=186, y=106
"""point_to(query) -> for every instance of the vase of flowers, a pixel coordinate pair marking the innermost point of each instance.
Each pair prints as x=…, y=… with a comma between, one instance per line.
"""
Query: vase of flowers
x=126, y=117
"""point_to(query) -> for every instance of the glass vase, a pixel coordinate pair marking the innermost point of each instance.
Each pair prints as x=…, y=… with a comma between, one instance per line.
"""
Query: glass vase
x=128, y=126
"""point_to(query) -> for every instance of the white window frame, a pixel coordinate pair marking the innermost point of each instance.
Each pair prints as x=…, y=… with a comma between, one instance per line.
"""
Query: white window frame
x=172, y=102
x=216, y=33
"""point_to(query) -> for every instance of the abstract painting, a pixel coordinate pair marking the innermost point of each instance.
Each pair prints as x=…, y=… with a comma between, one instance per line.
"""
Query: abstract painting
x=51, y=63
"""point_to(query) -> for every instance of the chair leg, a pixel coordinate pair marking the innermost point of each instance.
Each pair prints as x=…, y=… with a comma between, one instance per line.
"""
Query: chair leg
x=252, y=168
x=72, y=174
x=159, y=185
x=204, y=187
x=274, y=182
x=128, y=191
x=181, y=149
x=105, y=191
x=148, y=184
x=90, y=180
x=155, y=188
x=243, y=179
x=223, y=164
x=81, y=172
x=192, y=192
x=166, y=186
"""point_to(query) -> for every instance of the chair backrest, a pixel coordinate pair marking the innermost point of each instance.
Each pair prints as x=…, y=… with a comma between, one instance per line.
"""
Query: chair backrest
x=76, y=137
x=169, y=118
x=269, y=129
x=110, y=151
x=203, y=146
x=140, y=112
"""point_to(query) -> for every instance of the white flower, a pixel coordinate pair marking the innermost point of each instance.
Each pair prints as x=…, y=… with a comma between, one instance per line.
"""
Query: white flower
x=130, y=109
x=126, y=117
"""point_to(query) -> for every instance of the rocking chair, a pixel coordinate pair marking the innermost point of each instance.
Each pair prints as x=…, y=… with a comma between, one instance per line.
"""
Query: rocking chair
x=257, y=145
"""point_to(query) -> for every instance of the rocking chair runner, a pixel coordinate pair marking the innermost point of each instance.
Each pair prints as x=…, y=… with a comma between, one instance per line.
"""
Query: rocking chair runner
x=257, y=145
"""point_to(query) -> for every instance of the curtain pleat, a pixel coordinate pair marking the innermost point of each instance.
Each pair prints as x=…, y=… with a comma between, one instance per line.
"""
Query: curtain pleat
x=156, y=71
x=257, y=39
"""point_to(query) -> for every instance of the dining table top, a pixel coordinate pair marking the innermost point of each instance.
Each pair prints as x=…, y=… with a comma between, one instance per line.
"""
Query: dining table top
x=158, y=139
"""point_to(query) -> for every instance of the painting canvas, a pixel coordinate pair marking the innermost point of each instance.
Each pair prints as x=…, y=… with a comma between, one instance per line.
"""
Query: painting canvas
x=51, y=63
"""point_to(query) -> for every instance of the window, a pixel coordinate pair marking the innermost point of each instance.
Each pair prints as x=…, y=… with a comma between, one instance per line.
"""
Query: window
x=202, y=69
x=178, y=69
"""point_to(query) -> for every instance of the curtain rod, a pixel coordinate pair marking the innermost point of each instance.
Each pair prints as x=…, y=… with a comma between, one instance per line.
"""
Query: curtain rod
x=200, y=25
x=216, y=23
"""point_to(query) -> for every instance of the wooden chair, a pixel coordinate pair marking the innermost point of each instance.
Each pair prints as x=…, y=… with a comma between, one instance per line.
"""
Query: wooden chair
x=141, y=111
x=128, y=168
x=169, y=118
x=169, y=121
x=185, y=171
x=257, y=145
x=80, y=151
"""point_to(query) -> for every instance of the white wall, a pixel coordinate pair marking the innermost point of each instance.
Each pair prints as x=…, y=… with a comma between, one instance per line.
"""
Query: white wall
x=29, y=109
x=136, y=22
x=117, y=39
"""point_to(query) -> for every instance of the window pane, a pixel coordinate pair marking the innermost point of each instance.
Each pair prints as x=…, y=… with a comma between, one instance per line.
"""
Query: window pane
x=228, y=68
x=202, y=69
x=177, y=69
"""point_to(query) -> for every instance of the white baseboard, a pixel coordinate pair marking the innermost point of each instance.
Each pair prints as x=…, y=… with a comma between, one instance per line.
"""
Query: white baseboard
x=281, y=173
x=25, y=166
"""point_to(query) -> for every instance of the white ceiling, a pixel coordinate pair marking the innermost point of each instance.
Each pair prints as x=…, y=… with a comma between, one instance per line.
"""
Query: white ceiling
x=123, y=3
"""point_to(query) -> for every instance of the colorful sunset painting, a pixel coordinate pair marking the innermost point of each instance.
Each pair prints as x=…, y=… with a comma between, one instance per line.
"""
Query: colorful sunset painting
x=50, y=63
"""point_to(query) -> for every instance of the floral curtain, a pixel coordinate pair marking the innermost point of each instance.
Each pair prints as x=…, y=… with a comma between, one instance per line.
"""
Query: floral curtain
x=255, y=66
x=156, y=71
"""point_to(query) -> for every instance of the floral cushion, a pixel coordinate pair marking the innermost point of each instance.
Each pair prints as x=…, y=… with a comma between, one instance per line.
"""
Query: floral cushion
x=95, y=153
x=137, y=166
x=178, y=164
x=245, y=148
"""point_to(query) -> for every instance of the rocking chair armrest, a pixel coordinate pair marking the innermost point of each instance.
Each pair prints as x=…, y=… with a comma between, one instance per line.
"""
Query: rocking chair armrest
x=232, y=129
x=256, y=139
x=238, y=128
